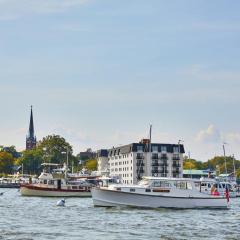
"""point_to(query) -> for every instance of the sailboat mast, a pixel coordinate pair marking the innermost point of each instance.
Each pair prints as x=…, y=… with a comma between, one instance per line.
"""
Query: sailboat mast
x=149, y=150
x=234, y=167
x=225, y=163
x=150, y=138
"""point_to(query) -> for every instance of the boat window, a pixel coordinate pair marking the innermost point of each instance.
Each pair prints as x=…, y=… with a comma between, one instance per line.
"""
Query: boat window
x=51, y=182
x=203, y=184
x=182, y=185
x=161, y=184
x=189, y=185
x=45, y=182
x=197, y=184
x=74, y=187
x=147, y=190
x=209, y=185
x=132, y=189
x=219, y=186
x=144, y=182
x=118, y=189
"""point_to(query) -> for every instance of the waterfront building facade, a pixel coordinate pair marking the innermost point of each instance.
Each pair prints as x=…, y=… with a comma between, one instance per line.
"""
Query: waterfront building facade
x=131, y=162
x=103, y=163
x=31, y=140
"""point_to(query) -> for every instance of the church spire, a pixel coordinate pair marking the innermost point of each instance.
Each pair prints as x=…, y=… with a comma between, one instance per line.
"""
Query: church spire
x=31, y=126
x=31, y=140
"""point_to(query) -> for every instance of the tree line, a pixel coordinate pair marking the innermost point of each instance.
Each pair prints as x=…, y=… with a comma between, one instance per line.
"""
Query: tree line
x=51, y=149
x=217, y=164
x=55, y=149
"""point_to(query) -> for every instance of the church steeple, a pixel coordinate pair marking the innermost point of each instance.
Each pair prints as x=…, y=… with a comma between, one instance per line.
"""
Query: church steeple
x=31, y=126
x=31, y=140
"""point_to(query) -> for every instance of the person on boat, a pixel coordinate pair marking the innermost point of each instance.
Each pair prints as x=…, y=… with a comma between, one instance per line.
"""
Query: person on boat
x=214, y=190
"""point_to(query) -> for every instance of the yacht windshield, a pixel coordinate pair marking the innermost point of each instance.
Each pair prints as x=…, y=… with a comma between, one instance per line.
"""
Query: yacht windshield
x=144, y=182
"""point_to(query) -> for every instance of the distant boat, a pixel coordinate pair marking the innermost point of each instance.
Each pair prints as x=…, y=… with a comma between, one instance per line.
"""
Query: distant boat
x=205, y=185
x=56, y=183
x=155, y=192
x=13, y=181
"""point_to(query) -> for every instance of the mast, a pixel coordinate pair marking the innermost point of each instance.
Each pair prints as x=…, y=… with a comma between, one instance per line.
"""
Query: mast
x=224, y=154
x=234, y=168
x=150, y=150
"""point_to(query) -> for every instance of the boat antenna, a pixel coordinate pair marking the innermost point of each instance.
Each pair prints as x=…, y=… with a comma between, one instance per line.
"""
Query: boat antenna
x=224, y=154
x=234, y=167
x=150, y=143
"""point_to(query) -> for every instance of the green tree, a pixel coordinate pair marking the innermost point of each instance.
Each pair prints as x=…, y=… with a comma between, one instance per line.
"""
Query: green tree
x=31, y=161
x=219, y=162
x=192, y=164
x=91, y=164
x=55, y=149
x=6, y=162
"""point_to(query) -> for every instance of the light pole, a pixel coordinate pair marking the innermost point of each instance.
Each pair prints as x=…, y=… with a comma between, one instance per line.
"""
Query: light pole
x=179, y=142
x=190, y=164
x=179, y=151
x=66, y=170
x=234, y=168
x=224, y=154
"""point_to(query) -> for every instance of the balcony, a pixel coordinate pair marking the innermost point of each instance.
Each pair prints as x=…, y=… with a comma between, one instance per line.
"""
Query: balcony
x=155, y=158
x=165, y=164
x=140, y=164
x=176, y=157
x=140, y=170
x=139, y=157
x=156, y=164
x=175, y=164
x=164, y=157
x=160, y=171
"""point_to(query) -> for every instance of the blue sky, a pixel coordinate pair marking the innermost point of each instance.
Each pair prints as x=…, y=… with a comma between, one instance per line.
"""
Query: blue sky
x=98, y=72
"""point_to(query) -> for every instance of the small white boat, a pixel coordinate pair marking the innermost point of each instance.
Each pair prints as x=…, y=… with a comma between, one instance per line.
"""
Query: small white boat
x=56, y=183
x=154, y=192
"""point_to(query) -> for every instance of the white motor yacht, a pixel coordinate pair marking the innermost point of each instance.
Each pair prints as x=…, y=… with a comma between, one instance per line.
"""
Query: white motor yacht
x=56, y=183
x=156, y=192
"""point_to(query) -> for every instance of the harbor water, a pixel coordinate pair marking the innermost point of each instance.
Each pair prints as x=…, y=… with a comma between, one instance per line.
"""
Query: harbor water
x=40, y=218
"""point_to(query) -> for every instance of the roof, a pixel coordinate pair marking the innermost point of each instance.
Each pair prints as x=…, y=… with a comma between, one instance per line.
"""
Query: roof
x=50, y=164
x=134, y=146
x=168, y=178
x=197, y=172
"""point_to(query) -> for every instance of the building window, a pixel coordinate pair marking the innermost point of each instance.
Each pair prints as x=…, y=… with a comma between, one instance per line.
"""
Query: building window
x=163, y=148
x=139, y=148
x=176, y=149
x=155, y=148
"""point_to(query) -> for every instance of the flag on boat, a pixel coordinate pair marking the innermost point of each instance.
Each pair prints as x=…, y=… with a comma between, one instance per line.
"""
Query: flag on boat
x=227, y=193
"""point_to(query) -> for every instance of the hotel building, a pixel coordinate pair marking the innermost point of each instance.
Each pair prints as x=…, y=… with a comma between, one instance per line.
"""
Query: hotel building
x=131, y=162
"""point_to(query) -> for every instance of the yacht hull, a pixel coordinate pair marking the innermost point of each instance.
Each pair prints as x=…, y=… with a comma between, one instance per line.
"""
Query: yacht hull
x=52, y=192
x=111, y=198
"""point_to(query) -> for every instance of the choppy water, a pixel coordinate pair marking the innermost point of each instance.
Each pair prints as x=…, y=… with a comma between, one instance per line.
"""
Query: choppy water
x=39, y=218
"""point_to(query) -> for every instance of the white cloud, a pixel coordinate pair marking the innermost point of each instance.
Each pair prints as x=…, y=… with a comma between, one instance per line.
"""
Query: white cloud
x=12, y=9
x=233, y=138
x=209, y=135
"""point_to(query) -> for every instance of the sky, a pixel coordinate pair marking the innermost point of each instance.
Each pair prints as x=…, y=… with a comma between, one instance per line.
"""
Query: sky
x=99, y=72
